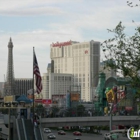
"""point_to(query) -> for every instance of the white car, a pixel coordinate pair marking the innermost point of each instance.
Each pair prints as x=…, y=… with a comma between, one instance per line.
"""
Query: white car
x=47, y=130
x=51, y=136
x=77, y=139
x=109, y=136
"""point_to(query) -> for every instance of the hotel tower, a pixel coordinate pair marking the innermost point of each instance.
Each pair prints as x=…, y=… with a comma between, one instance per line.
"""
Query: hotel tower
x=82, y=60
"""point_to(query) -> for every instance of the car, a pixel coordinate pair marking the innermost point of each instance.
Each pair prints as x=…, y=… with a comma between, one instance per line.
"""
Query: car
x=51, y=136
x=77, y=139
x=77, y=133
x=47, y=130
x=111, y=136
x=114, y=136
x=61, y=132
x=85, y=129
x=60, y=128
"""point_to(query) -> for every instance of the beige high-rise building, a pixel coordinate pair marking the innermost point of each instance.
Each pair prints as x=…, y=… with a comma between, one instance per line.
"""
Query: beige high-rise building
x=55, y=84
x=82, y=60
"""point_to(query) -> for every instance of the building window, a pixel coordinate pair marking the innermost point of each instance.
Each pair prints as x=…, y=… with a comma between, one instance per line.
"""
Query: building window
x=62, y=78
x=83, y=79
x=58, y=70
x=47, y=77
x=66, y=78
x=55, y=77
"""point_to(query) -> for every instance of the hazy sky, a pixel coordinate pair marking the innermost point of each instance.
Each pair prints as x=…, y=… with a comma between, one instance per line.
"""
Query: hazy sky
x=38, y=23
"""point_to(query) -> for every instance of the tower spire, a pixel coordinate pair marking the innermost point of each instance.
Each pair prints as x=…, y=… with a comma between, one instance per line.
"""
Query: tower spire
x=9, y=87
x=10, y=44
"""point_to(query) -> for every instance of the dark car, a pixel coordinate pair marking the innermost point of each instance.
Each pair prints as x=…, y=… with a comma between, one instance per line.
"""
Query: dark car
x=77, y=133
x=51, y=136
x=61, y=132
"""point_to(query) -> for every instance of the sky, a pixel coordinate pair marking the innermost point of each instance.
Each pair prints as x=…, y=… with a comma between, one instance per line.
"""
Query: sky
x=39, y=23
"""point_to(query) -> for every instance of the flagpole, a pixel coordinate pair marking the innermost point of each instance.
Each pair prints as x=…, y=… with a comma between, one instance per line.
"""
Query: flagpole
x=38, y=79
x=33, y=89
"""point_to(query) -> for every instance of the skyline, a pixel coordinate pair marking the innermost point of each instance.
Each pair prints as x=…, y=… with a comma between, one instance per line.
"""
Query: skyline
x=32, y=23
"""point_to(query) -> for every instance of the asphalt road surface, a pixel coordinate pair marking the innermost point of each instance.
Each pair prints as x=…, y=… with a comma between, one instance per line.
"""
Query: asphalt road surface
x=85, y=136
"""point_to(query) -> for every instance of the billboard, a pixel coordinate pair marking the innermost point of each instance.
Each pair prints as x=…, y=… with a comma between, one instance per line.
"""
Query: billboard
x=46, y=101
x=75, y=96
x=67, y=100
x=121, y=92
x=43, y=101
x=57, y=44
x=30, y=96
x=9, y=98
x=110, y=96
x=38, y=100
x=56, y=98
x=120, y=95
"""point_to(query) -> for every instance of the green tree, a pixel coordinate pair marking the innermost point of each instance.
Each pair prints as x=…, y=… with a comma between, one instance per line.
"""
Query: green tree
x=80, y=110
x=132, y=4
x=122, y=53
x=40, y=109
x=54, y=111
x=71, y=112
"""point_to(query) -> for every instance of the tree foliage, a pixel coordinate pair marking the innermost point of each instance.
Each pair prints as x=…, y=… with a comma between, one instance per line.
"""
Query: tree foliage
x=132, y=4
x=122, y=53
x=80, y=110
x=54, y=111
x=39, y=109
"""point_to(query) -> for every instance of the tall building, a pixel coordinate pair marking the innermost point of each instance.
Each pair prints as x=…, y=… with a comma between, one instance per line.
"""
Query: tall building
x=55, y=85
x=82, y=60
x=1, y=89
x=24, y=85
x=12, y=85
x=9, y=86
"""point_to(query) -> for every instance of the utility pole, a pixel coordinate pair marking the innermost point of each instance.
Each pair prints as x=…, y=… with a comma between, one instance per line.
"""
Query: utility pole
x=9, y=125
x=111, y=107
x=70, y=96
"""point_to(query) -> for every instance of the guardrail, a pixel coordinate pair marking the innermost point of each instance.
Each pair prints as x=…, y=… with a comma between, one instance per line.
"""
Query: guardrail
x=89, y=121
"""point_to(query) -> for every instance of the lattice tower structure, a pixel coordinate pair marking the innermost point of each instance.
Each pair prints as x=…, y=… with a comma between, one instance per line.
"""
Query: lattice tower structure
x=9, y=86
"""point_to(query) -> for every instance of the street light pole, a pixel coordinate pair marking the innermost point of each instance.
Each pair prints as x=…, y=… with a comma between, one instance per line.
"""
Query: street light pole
x=110, y=124
x=110, y=121
x=70, y=96
x=9, y=125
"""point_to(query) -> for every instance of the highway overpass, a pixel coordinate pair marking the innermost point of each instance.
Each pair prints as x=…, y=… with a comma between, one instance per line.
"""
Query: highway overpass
x=89, y=121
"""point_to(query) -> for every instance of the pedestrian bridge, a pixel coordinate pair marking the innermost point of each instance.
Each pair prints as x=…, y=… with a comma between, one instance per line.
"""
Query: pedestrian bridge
x=89, y=121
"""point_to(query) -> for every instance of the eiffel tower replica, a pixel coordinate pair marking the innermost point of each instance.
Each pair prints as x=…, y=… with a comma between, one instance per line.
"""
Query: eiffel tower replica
x=9, y=85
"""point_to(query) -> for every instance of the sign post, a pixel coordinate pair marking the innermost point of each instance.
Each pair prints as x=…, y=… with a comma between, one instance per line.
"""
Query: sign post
x=110, y=99
x=111, y=107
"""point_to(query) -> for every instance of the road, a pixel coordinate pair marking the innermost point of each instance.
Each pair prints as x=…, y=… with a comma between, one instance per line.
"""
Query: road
x=85, y=136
